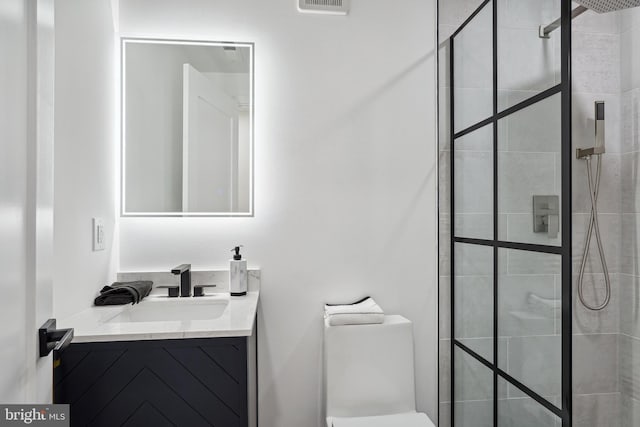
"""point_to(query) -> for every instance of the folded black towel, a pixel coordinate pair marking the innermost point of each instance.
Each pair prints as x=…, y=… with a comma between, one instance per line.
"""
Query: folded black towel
x=124, y=293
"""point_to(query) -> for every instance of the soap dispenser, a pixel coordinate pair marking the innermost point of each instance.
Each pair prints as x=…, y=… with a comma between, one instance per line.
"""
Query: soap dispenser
x=237, y=274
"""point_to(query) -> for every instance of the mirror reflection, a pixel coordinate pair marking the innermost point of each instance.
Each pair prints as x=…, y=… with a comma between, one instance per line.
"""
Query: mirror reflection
x=187, y=128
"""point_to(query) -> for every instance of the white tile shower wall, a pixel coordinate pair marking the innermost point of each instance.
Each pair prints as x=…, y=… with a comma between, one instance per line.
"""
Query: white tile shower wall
x=596, y=77
x=345, y=180
x=601, y=410
x=629, y=300
x=526, y=63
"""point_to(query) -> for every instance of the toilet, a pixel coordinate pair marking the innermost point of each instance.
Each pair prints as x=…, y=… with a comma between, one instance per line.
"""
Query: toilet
x=369, y=375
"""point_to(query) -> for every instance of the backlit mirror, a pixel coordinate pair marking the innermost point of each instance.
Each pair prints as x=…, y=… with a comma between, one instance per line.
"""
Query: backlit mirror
x=187, y=128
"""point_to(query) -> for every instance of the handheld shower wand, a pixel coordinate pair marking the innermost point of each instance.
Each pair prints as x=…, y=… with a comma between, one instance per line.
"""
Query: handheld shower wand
x=594, y=185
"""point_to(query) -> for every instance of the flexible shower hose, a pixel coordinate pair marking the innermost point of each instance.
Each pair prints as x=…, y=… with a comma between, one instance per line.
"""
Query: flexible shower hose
x=594, y=226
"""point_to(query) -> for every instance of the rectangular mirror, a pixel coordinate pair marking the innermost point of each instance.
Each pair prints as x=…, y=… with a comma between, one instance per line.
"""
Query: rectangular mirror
x=187, y=128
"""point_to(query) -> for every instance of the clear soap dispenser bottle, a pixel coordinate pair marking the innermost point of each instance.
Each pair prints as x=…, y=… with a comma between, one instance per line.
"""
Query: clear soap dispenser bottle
x=237, y=274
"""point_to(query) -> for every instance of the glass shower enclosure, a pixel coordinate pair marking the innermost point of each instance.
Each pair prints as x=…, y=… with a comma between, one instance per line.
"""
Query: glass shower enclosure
x=510, y=228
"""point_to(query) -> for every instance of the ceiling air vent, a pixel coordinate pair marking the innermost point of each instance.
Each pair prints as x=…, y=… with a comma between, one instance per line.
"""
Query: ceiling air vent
x=335, y=7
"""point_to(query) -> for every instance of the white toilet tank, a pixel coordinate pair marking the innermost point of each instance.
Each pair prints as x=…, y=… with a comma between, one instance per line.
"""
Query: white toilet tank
x=368, y=369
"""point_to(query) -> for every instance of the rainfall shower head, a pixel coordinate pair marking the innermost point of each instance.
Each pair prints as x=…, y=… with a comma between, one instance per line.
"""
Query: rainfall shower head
x=604, y=6
x=600, y=6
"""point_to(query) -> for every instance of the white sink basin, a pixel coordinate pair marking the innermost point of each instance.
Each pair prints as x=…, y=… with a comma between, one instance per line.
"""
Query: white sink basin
x=174, y=309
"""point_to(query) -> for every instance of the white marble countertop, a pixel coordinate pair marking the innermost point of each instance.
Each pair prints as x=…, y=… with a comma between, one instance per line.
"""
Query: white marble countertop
x=217, y=315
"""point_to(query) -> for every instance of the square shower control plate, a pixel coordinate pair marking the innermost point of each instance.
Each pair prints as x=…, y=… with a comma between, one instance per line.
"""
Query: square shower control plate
x=546, y=215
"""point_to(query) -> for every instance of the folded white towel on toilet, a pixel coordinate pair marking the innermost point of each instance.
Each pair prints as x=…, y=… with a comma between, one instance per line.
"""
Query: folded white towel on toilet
x=362, y=312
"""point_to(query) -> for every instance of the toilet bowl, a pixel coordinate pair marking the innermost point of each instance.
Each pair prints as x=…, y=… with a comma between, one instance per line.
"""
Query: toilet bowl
x=369, y=375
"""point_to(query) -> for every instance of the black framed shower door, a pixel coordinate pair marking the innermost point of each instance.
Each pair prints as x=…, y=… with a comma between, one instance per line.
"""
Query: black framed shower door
x=510, y=287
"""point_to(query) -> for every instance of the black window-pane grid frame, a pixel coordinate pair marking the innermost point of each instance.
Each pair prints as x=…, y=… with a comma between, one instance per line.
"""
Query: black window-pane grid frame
x=565, y=413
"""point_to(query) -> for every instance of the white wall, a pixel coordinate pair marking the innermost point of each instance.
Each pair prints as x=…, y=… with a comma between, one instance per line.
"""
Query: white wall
x=86, y=150
x=629, y=282
x=345, y=174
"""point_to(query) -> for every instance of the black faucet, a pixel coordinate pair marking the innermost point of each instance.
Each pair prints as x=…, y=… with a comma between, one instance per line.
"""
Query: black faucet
x=184, y=271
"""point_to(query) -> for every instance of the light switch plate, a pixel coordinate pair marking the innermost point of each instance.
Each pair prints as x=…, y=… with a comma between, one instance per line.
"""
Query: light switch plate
x=99, y=237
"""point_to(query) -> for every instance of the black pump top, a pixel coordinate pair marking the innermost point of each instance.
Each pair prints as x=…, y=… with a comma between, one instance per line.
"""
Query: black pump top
x=237, y=256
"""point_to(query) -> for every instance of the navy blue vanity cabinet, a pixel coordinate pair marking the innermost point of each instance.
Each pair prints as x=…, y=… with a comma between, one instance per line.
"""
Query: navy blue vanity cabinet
x=182, y=382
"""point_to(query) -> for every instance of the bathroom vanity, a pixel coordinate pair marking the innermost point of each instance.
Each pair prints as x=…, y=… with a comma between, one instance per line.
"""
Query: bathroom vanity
x=177, y=357
x=166, y=361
